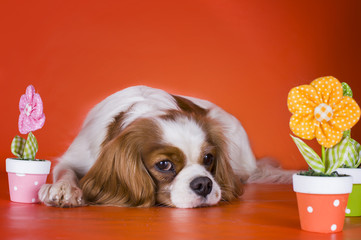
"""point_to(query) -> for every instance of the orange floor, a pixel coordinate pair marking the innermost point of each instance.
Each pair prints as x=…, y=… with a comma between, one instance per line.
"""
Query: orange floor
x=264, y=212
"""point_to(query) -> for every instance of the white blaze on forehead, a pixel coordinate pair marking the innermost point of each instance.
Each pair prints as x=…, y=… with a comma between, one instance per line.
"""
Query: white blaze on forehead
x=185, y=134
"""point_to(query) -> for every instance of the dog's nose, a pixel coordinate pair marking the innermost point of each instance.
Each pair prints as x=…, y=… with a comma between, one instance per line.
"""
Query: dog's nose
x=202, y=186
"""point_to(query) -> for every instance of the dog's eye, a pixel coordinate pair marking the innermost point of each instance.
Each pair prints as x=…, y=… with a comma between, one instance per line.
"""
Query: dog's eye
x=208, y=159
x=165, y=165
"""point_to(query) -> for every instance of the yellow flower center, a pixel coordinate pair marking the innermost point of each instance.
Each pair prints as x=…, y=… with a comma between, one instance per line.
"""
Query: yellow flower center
x=323, y=112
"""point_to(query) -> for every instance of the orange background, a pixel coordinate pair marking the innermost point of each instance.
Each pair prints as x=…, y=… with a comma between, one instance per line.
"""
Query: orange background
x=242, y=55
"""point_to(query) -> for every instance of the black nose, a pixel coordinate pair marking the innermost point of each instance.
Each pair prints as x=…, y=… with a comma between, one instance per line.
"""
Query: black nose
x=202, y=186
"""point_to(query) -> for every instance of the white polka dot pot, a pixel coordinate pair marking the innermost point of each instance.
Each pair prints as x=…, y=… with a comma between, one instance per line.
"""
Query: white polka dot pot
x=25, y=178
x=322, y=202
x=354, y=201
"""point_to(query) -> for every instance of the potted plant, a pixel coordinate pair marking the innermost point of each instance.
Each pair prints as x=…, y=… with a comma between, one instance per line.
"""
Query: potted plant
x=321, y=110
x=350, y=167
x=25, y=173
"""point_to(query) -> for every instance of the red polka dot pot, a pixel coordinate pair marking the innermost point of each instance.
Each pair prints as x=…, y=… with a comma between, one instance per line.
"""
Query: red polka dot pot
x=354, y=200
x=322, y=202
x=25, y=178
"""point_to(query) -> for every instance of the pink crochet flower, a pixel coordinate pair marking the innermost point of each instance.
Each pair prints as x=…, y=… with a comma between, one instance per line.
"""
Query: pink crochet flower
x=31, y=111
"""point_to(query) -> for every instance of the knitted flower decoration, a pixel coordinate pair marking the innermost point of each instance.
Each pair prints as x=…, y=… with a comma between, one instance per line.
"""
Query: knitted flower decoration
x=321, y=110
x=31, y=118
x=31, y=111
x=326, y=110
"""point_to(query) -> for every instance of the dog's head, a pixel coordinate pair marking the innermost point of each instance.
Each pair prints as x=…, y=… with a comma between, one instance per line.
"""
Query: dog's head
x=178, y=158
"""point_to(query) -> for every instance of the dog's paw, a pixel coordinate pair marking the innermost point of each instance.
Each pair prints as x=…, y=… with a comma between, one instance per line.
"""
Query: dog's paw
x=61, y=194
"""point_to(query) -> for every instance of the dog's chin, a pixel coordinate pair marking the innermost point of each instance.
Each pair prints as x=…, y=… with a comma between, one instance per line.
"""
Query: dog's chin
x=182, y=196
x=197, y=203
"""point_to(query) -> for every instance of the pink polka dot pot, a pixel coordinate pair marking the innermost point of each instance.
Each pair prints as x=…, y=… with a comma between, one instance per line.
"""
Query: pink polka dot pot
x=322, y=202
x=25, y=178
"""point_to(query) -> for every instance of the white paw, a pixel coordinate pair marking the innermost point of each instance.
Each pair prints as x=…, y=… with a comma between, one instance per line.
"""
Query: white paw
x=61, y=194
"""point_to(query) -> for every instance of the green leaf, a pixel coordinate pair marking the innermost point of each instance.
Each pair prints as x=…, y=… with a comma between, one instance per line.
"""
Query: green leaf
x=357, y=158
x=346, y=89
x=347, y=92
x=342, y=153
x=17, y=146
x=31, y=147
x=347, y=133
x=311, y=157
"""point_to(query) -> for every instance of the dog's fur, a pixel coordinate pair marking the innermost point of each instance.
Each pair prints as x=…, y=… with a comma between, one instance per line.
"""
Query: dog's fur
x=142, y=146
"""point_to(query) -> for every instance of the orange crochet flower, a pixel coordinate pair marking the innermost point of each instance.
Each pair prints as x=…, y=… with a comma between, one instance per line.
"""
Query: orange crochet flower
x=320, y=110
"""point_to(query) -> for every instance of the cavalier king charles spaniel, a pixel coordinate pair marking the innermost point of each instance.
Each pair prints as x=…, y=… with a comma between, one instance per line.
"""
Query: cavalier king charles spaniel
x=142, y=147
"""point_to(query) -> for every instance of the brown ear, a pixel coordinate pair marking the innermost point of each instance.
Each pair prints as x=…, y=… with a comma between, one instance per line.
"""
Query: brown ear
x=231, y=186
x=119, y=176
x=188, y=106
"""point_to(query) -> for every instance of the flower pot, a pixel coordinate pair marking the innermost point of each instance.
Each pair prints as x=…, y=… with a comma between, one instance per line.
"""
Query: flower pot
x=25, y=178
x=322, y=202
x=354, y=201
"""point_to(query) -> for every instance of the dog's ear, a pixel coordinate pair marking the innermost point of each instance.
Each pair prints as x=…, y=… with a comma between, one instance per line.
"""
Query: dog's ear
x=188, y=106
x=119, y=176
x=230, y=184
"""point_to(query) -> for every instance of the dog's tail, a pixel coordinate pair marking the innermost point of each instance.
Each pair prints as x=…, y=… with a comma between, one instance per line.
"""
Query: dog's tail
x=269, y=171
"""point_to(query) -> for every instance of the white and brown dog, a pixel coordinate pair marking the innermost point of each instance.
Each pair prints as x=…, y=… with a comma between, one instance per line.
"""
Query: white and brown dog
x=142, y=147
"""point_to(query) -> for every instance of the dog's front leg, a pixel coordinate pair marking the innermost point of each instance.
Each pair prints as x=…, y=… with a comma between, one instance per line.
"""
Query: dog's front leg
x=64, y=192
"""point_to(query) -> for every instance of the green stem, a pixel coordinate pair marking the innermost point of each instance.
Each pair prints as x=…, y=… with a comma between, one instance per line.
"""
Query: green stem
x=323, y=155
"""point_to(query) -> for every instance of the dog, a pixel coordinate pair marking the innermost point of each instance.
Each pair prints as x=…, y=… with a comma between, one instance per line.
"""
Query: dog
x=142, y=147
